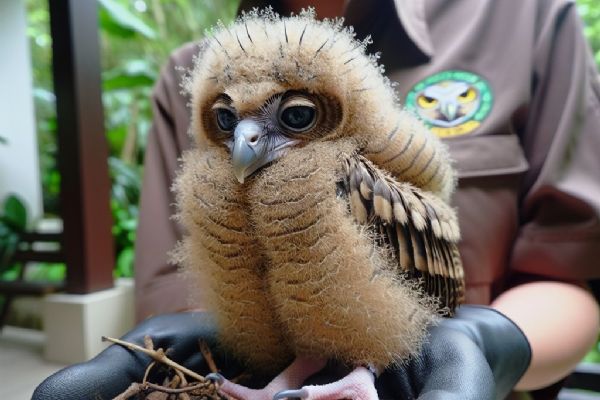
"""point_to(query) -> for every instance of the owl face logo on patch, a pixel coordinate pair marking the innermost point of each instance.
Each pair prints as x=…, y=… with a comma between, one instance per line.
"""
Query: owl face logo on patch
x=451, y=103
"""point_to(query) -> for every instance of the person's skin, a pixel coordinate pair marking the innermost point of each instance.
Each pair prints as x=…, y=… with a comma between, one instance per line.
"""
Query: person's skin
x=560, y=320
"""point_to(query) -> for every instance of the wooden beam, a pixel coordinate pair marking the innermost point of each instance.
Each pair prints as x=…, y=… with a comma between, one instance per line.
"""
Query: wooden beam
x=82, y=156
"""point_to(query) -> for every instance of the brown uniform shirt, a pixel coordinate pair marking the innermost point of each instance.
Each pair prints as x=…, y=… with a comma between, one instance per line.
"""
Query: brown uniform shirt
x=513, y=90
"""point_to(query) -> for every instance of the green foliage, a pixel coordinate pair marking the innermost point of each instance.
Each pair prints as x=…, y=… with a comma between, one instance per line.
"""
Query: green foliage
x=14, y=213
x=590, y=12
x=137, y=37
x=116, y=19
x=47, y=272
x=13, y=222
x=134, y=74
x=38, y=31
x=124, y=205
x=594, y=355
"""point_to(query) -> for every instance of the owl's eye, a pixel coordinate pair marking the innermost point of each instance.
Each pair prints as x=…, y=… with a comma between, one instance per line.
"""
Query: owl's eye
x=226, y=119
x=298, y=114
x=298, y=118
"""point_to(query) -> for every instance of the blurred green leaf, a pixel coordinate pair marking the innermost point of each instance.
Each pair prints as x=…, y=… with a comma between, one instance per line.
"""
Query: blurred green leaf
x=3, y=140
x=15, y=213
x=117, y=20
x=593, y=355
x=127, y=81
x=56, y=272
x=10, y=273
x=125, y=263
x=4, y=231
x=135, y=73
x=48, y=272
x=9, y=241
x=116, y=138
x=50, y=126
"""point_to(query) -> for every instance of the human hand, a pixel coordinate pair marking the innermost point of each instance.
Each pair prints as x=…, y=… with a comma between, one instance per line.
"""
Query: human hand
x=114, y=369
x=479, y=354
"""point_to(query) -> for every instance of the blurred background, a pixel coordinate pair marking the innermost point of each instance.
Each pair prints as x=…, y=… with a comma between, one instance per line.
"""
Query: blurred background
x=136, y=38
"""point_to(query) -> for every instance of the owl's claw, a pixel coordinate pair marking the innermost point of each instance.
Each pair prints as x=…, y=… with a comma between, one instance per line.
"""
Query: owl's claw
x=296, y=394
x=292, y=376
x=358, y=385
x=216, y=378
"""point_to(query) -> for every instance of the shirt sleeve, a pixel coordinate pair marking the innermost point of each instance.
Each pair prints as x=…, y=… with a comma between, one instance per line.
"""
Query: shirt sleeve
x=560, y=230
x=158, y=286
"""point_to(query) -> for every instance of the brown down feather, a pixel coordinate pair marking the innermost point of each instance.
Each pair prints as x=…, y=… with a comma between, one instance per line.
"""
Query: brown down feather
x=336, y=292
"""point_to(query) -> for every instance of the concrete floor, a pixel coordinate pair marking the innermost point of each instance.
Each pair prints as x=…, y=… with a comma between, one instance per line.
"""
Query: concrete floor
x=22, y=366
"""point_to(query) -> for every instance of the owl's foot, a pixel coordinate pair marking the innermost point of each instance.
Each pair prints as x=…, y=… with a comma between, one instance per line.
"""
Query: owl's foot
x=293, y=376
x=357, y=385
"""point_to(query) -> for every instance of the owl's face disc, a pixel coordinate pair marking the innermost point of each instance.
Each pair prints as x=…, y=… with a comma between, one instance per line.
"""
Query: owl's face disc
x=258, y=136
x=268, y=84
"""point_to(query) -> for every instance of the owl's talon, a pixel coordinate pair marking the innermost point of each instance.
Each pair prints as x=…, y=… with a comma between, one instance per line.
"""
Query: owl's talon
x=296, y=394
x=215, y=378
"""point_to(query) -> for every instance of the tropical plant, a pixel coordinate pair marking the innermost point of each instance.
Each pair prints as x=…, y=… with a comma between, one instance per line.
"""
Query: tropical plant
x=590, y=12
x=137, y=37
x=13, y=223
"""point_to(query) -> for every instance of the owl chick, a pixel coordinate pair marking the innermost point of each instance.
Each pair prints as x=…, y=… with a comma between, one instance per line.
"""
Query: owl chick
x=316, y=207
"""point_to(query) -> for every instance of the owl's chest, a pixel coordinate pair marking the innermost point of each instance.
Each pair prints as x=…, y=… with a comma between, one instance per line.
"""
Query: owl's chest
x=293, y=201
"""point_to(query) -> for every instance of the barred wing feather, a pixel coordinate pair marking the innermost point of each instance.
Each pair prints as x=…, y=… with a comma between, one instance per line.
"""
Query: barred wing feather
x=420, y=228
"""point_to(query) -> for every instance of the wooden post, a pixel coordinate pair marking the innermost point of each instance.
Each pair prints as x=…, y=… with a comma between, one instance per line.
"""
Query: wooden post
x=83, y=151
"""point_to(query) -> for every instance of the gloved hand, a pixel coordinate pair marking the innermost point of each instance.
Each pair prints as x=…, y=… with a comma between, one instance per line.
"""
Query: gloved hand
x=114, y=369
x=479, y=354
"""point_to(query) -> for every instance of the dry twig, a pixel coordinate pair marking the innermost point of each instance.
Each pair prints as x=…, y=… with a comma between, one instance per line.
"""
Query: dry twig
x=177, y=387
x=157, y=355
x=207, y=356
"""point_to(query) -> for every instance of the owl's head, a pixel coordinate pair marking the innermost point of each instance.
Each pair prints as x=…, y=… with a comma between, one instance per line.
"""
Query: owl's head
x=266, y=84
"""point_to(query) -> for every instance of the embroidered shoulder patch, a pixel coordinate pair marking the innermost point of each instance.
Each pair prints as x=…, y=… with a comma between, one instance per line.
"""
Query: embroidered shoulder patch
x=451, y=103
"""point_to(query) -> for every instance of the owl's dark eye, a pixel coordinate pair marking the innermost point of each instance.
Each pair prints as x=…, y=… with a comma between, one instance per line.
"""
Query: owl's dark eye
x=226, y=119
x=298, y=118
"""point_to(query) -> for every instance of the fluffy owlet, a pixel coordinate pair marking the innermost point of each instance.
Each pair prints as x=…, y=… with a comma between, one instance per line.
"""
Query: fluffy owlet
x=316, y=207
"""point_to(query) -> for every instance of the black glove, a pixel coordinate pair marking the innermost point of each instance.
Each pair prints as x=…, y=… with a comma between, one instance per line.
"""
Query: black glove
x=114, y=369
x=479, y=354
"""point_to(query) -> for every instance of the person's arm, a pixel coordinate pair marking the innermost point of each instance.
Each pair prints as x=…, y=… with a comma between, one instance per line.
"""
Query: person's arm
x=560, y=234
x=158, y=289
x=561, y=323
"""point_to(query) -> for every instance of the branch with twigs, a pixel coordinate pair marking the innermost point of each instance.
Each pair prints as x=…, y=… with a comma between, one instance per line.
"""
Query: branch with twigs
x=176, y=387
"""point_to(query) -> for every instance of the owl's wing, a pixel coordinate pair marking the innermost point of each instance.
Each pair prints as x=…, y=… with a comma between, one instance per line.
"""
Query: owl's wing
x=420, y=228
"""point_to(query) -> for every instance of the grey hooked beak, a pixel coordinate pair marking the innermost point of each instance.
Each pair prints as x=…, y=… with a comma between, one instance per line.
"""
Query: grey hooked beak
x=248, y=149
